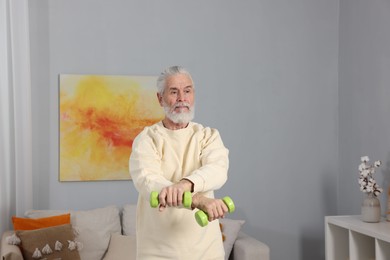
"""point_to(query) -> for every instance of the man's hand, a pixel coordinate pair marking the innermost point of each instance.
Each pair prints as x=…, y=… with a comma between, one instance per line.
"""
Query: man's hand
x=214, y=208
x=172, y=196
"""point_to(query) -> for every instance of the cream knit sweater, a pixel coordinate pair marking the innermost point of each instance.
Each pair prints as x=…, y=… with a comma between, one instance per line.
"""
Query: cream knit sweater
x=161, y=157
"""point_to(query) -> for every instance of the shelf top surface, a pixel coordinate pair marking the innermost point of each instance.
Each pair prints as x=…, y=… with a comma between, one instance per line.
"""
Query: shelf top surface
x=379, y=230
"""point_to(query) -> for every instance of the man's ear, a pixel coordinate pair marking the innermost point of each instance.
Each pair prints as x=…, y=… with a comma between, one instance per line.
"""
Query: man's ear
x=159, y=97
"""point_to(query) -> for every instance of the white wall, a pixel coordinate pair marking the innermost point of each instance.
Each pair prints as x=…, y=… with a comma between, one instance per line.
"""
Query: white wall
x=364, y=96
x=41, y=124
x=267, y=78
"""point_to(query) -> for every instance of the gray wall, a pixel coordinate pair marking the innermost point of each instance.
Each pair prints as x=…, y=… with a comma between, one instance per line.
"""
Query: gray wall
x=267, y=78
x=364, y=87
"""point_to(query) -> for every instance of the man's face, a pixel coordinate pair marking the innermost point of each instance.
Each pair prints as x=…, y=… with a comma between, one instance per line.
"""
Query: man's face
x=178, y=98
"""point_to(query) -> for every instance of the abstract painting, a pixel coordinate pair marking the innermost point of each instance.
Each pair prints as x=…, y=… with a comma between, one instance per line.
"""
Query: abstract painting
x=99, y=117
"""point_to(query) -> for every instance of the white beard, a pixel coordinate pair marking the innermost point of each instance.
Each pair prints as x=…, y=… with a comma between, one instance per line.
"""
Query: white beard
x=179, y=117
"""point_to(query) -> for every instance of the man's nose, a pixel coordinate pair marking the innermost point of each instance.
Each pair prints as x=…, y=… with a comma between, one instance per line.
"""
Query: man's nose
x=180, y=97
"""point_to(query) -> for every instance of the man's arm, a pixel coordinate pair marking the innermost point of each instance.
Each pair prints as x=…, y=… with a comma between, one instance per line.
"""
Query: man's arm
x=145, y=166
x=172, y=196
x=212, y=175
x=215, y=208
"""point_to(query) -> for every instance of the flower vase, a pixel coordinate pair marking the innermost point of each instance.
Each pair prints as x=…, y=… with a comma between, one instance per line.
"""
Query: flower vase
x=371, y=209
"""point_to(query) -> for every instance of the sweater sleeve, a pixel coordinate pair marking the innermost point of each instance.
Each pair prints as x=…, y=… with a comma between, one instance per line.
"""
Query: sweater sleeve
x=212, y=175
x=145, y=166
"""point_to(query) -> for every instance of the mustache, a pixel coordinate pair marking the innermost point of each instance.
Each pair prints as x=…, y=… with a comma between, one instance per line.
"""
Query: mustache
x=182, y=104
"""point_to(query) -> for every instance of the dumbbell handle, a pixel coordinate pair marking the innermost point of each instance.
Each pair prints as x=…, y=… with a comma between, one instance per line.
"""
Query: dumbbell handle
x=187, y=199
x=202, y=218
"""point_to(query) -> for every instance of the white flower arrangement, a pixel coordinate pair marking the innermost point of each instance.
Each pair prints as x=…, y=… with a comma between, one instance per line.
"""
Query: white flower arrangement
x=366, y=179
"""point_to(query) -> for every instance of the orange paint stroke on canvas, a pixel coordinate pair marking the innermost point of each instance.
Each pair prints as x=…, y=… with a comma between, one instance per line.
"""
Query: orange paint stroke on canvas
x=99, y=118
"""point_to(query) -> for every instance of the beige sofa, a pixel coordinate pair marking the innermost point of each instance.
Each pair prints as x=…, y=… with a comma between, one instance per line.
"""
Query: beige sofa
x=109, y=234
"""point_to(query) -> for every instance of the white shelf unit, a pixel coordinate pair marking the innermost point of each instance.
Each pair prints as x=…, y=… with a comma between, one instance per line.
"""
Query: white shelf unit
x=349, y=238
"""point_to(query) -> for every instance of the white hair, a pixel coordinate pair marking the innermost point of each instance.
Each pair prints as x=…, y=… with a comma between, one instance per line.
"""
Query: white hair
x=170, y=71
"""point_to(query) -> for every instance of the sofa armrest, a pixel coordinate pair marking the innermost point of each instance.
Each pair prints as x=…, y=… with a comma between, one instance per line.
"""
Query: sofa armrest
x=249, y=248
x=9, y=252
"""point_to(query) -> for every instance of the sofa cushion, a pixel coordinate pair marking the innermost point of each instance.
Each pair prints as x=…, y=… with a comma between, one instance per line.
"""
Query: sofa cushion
x=31, y=224
x=94, y=228
x=121, y=247
x=7, y=251
x=129, y=219
x=12, y=256
x=230, y=230
x=34, y=241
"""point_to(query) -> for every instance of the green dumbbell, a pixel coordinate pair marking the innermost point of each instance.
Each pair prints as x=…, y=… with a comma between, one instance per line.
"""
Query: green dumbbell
x=187, y=199
x=202, y=218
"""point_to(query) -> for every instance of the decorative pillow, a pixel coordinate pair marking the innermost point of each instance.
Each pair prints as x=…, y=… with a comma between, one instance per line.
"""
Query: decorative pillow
x=48, y=243
x=94, y=228
x=129, y=220
x=230, y=229
x=31, y=224
x=121, y=247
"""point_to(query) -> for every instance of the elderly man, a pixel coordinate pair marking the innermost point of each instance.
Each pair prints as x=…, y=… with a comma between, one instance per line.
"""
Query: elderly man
x=171, y=157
